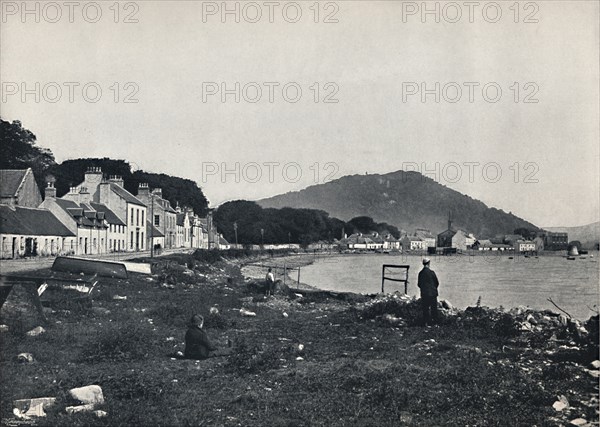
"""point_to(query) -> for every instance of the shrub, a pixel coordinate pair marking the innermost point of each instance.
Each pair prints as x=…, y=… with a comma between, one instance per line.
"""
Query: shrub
x=115, y=343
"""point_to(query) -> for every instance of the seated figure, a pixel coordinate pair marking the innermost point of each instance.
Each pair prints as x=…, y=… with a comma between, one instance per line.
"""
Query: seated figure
x=197, y=343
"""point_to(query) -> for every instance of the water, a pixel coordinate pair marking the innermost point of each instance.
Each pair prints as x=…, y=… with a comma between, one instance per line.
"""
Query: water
x=500, y=281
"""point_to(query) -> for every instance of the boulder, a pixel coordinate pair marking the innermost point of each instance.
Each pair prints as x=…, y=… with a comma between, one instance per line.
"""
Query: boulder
x=91, y=394
x=446, y=304
x=36, y=331
x=25, y=408
x=561, y=404
x=79, y=408
x=25, y=358
x=3, y=328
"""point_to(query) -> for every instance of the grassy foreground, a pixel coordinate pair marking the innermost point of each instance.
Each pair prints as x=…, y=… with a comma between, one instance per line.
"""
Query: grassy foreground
x=317, y=360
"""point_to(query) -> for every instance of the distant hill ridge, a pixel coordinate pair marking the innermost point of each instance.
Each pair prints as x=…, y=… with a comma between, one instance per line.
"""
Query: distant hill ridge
x=408, y=200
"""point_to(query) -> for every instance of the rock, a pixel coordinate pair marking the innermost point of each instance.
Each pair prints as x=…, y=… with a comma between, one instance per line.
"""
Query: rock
x=100, y=414
x=91, y=394
x=100, y=310
x=299, y=358
x=531, y=319
x=595, y=374
x=25, y=358
x=25, y=408
x=247, y=313
x=79, y=408
x=119, y=297
x=285, y=314
x=563, y=320
x=596, y=364
x=446, y=304
x=3, y=328
x=561, y=404
x=214, y=311
x=36, y=331
x=578, y=422
x=300, y=347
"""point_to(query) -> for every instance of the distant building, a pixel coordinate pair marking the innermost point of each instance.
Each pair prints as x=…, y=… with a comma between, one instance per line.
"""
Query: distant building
x=525, y=246
x=26, y=232
x=426, y=236
x=18, y=188
x=223, y=243
x=83, y=221
x=157, y=238
x=556, y=241
x=413, y=243
x=111, y=193
x=161, y=213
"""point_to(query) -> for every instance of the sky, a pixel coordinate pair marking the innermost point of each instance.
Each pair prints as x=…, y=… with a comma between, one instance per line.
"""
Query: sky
x=496, y=100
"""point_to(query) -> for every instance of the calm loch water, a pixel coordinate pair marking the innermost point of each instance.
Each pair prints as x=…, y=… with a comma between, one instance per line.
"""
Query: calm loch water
x=500, y=281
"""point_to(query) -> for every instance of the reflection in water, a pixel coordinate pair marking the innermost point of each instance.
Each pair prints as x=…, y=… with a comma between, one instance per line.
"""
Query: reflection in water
x=500, y=281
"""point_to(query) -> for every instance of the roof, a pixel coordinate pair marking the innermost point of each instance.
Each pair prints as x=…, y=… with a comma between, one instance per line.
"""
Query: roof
x=152, y=231
x=10, y=181
x=83, y=213
x=31, y=221
x=223, y=241
x=109, y=215
x=125, y=195
x=181, y=219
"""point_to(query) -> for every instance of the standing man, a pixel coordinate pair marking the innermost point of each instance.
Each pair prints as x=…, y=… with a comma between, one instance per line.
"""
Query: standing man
x=270, y=282
x=428, y=283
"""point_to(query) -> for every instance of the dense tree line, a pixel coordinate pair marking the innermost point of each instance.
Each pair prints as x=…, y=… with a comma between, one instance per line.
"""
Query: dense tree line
x=18, y=150
x=256, y=225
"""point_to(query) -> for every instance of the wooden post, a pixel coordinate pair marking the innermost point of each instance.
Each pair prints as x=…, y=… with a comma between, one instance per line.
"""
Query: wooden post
x=382, y=279
x=284, y=272
x=298, y=276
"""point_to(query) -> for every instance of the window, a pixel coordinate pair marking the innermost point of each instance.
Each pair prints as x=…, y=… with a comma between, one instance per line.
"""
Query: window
x=131, y=241
x=137, y=217
x=131, y=215
x=143, y=217
x=157, y=220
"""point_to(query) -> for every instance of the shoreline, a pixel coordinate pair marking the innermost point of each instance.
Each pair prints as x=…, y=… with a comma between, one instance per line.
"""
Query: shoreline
x=324, y=358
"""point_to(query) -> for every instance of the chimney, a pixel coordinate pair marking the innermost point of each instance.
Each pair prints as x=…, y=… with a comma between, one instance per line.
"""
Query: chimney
x=116, y=179
x=143, y=190
x=157, y=192
x=50, y=191
x=93, y=178
x=84, y=195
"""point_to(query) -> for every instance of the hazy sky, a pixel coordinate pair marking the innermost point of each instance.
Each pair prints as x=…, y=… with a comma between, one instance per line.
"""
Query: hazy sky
x=375, y=61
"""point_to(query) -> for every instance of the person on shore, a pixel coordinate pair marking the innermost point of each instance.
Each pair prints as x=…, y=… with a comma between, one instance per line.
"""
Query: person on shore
x=197, y=343
x=270, y=282
x=428, y=283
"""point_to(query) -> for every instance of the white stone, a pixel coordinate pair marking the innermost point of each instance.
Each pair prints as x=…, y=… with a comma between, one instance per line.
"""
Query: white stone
x=91, y=394
x=79, y=408
x=247, y=313
x=3, y=328
x=578, y=422
x=100, y=414
x=285, y=314
x=25, y=357
x=596, y=364
x=32, y=407
x=561, y=404
x=36, y=331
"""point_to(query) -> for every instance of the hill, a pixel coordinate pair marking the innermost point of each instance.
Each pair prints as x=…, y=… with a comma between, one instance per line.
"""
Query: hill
x=588, y=234
x=407, y=200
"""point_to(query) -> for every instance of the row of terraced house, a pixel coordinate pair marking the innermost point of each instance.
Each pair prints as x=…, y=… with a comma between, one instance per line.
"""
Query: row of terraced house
x=96, y=217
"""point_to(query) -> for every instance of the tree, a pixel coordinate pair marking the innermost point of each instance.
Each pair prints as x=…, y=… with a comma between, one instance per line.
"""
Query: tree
x=18, y=150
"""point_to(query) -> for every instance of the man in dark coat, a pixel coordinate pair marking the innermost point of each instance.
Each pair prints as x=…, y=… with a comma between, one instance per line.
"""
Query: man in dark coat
x=197, y=344
x=428, y=283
